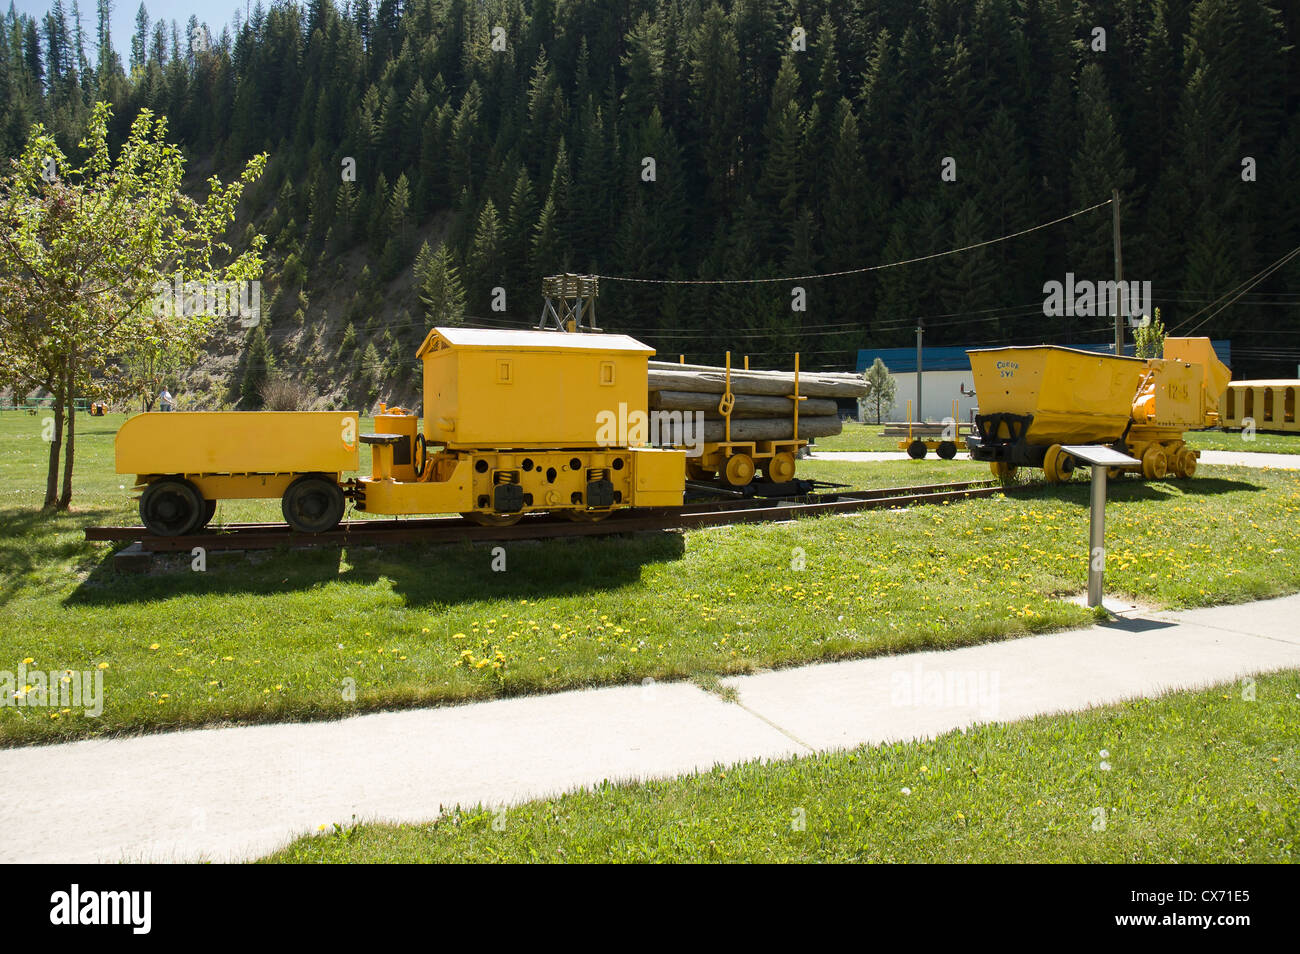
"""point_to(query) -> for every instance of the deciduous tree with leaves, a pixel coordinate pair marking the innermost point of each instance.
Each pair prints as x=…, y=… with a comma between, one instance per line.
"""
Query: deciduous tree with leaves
x=82, y=245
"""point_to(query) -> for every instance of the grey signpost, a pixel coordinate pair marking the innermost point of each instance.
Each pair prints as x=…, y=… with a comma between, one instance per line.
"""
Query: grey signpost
x=1099, y=457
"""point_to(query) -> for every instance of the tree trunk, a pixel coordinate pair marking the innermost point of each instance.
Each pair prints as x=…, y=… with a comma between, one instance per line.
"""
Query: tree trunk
x=773, y=429
x=56, y=445
x=66, y=497
x=747, y=405
x=754, y=382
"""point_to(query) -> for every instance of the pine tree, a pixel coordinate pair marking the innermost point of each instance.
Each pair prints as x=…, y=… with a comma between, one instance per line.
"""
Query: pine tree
x=1099, y=167
x=440, y=289
x=520, y=222
x=258, y=365
x=483, y=265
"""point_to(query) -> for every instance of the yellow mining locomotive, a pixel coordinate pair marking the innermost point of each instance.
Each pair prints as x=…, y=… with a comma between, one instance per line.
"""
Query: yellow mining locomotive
x=514, y=422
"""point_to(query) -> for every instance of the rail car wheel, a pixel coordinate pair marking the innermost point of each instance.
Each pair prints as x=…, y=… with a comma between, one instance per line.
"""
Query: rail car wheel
x=695, y=472
x=1114, y=473
x=916, y=450
x=779, y=468
x=209, y=511
x=739, y=469
x=484, y=519
x=1058, y=466
x=313, y=505
x=947, y=450
x=1155, y=462
x=1185, y=463
x=171, y=507
x=1003, y=471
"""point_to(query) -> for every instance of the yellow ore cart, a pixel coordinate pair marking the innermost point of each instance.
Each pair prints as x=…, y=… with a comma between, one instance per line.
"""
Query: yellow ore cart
x=185, y=462
x=1033, y=400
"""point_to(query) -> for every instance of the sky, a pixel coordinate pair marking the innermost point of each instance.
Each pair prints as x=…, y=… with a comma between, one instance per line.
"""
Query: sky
x=215, y=13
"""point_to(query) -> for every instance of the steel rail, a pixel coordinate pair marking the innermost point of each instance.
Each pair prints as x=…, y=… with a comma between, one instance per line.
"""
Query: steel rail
x=365, y=532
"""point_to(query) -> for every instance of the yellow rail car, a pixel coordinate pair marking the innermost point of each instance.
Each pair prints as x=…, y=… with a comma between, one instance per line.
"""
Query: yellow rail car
x=1266, y=405
x=737, y=461
x=1035, y=399
x=185, y=462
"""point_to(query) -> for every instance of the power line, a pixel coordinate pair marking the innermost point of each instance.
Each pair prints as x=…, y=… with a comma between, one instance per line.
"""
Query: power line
x=1240, y=290
x=849, y=271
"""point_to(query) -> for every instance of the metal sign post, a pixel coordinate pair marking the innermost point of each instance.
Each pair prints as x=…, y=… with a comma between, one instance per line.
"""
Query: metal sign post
x=1100, y=457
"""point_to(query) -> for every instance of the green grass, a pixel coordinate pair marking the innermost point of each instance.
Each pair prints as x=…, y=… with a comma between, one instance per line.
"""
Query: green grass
x=1258, y=443
x=288, y=635
x=1193, y=777
x=858, y=437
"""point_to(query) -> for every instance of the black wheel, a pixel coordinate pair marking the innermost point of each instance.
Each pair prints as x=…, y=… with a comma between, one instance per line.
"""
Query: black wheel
x=171, y=507
x=916, y=450
x=420, y=456
x=209, y=511
x=947, y=450
x=313, y=505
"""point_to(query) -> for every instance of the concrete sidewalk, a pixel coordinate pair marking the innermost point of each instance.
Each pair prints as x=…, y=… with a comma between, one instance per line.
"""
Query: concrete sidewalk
x=237, y=793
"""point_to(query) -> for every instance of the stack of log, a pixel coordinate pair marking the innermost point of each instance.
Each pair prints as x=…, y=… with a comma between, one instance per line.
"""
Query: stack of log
x=763, y=411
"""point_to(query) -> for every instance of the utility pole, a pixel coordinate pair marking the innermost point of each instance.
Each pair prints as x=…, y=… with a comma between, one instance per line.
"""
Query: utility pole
x=1119, y=276
x=920, y=409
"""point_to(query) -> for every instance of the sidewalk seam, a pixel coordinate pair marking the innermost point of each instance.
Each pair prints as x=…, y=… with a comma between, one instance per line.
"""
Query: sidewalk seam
x=762, y=718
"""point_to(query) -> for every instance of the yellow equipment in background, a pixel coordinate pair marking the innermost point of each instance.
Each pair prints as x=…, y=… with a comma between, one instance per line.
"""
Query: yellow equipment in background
x=1035, y=399
x=1266, y=405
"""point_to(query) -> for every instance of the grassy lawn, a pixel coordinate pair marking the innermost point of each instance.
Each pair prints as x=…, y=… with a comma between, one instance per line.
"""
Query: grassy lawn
x=1258, y=443
x=1192, y=777
x=288, y=635
x=858, y=437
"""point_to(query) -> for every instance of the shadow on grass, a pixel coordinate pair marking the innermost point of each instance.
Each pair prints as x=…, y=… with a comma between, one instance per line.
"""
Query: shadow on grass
x=422, y=575
x=35, y=541
x=1129, y=489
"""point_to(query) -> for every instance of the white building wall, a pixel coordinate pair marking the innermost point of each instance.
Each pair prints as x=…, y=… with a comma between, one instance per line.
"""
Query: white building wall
x=939, y=389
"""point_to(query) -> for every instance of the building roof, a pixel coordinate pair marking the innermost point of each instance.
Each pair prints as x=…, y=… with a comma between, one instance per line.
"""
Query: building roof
x=532, y=340
x=903, y=360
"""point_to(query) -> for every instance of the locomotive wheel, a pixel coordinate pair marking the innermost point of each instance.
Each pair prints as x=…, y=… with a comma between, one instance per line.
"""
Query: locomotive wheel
x=171, y=507
x=1114, y=473
x=1185, y=463
x=1058, y=466
x=1155, y=462
x=209, y=511
x=947, y=450
x=313, y=505
x=780, y=468
x=916, y=450
x=740, y=469
x=695, y=472
x=1003, y=471
x=484, y=519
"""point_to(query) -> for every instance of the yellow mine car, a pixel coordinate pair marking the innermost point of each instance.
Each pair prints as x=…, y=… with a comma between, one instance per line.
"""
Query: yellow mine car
x=1033, y=400
x=514, y=422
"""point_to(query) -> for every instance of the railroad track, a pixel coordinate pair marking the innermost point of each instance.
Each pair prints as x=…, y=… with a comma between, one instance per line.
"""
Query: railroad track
x=259, y=536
